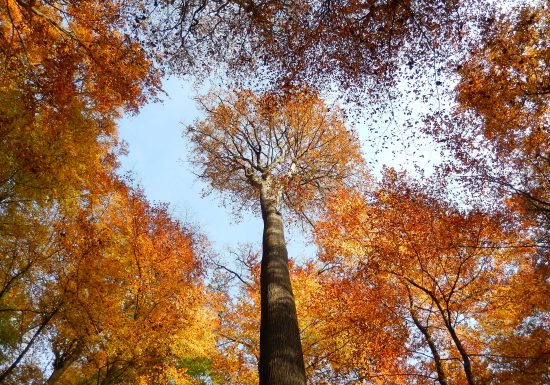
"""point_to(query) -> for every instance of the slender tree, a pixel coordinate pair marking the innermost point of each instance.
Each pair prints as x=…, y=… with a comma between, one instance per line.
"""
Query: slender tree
x=278, y=153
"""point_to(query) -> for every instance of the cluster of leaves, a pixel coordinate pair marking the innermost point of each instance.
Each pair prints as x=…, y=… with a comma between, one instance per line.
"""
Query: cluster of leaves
x=353, y=45
x=290, y=145
x=457, y=276
x=67, y=72
x=96, y=284
x=500, y=128
x=108, y=287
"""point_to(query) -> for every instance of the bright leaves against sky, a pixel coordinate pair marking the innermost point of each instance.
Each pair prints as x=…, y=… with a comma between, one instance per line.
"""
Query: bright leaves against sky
x=99, y=286
x=500, y=129
x=456, y=278
x=93, y=278
x=295, y=146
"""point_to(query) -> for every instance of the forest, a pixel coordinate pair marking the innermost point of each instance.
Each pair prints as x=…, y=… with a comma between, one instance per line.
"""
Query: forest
x=436, y=276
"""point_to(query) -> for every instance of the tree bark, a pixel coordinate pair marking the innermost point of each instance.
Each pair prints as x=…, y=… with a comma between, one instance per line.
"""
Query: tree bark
x=281, y=357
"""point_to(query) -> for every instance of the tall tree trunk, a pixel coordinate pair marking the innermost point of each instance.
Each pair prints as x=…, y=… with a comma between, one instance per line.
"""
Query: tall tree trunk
x=281, y=357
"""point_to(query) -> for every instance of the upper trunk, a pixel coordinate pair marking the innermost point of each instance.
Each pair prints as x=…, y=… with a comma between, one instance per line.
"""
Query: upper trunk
x=62, y=361
x=441, y=377
x=281, y=358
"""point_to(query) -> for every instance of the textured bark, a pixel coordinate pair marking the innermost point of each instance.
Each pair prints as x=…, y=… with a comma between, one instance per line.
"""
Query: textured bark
x=281, y=357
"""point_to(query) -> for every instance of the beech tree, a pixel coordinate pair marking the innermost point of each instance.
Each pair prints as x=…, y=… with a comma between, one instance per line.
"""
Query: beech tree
x=456, y=274
x=349, y=327
x=499, y=135
x=356, y=45
x=407, y=290
x=278, y=153
x=67, y=72
x=111, y=290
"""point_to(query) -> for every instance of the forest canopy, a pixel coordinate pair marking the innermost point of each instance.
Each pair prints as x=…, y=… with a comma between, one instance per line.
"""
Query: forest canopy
x=420, y=276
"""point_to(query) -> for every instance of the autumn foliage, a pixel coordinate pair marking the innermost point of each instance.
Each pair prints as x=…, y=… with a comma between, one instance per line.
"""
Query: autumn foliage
x=96, y=284
x=455, y=276
x=297, y=146
x=498, y=129
x=425, y=277
x=347, y=333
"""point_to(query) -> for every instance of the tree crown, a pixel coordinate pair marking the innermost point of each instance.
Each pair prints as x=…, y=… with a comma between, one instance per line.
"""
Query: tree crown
x=293, y=148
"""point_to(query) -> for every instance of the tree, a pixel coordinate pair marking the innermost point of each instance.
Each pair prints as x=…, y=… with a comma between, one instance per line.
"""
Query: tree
x=498, y=133
x=356, y=45
x=452, y=270
x=498, y=130
x=134, y=302
x=67, y=72
x=116, y=294
x=348, y=326
x=123, y=304
x=278, y=152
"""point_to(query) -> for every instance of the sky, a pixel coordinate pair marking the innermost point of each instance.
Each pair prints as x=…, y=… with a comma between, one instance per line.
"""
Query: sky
x=157, y=159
